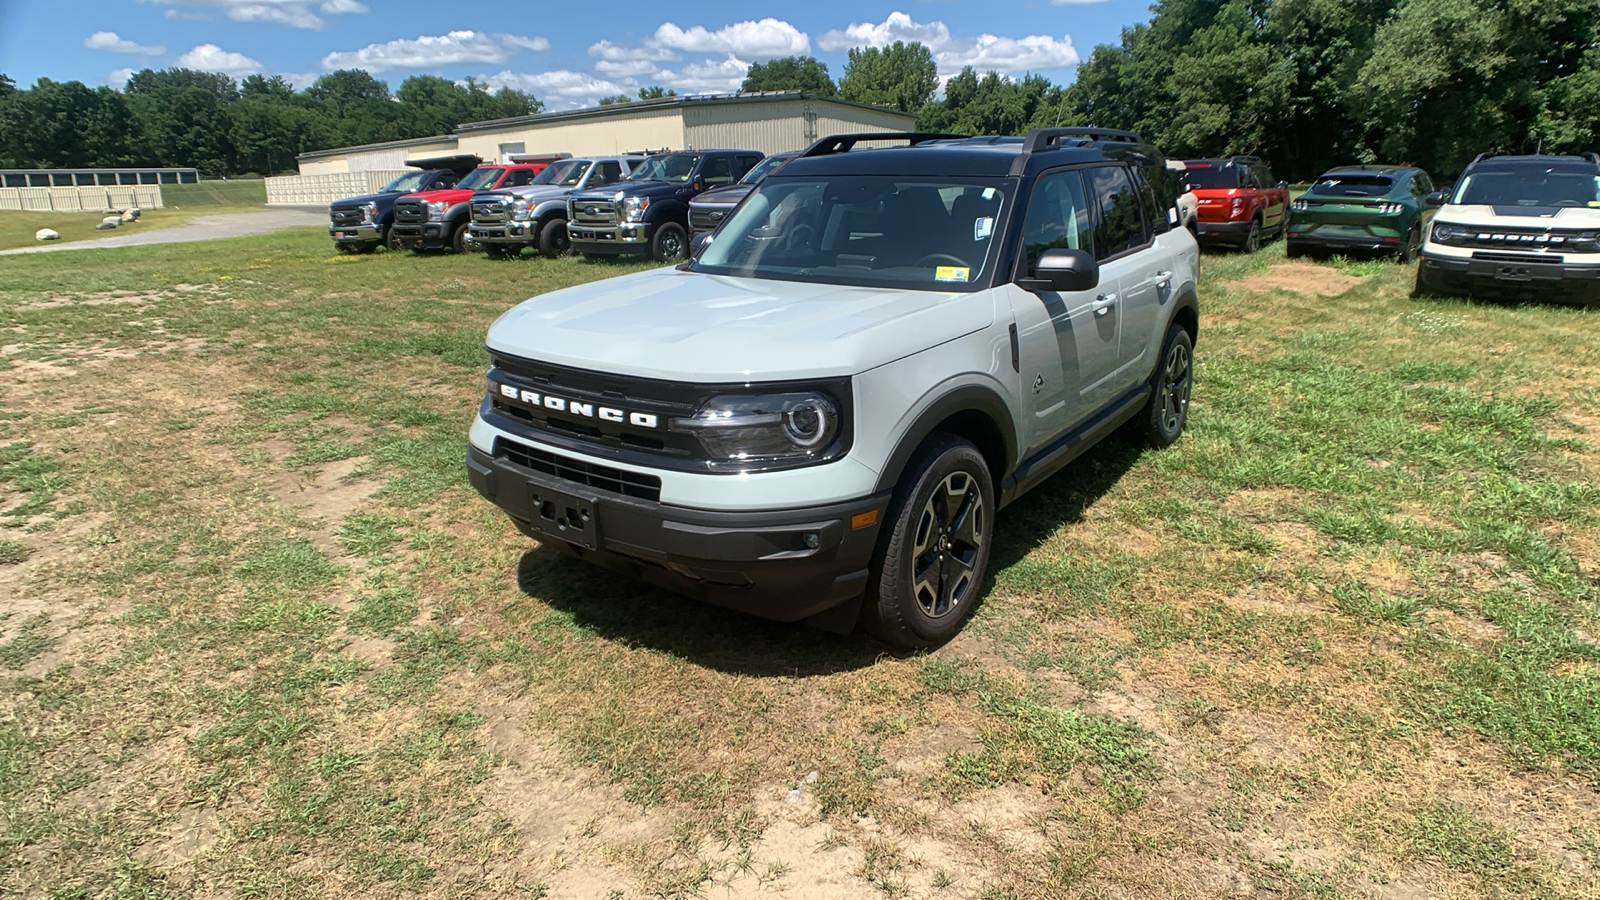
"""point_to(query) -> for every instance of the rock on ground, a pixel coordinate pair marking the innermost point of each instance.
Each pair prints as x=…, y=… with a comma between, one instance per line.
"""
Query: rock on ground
x=47, y=234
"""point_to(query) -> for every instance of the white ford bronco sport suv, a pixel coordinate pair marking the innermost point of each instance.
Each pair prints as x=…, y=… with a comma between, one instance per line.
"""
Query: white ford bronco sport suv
x=818, y=416
x=1517, y=228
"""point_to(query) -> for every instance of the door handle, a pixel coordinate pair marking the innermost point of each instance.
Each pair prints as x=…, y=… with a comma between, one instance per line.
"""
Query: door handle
x=1163, y=279
x=1103, y=303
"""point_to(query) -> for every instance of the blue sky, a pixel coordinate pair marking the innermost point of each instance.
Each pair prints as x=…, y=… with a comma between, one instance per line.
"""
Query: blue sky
x=567, y=54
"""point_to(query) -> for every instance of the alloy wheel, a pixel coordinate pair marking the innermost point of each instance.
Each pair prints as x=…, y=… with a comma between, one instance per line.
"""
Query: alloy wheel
x=1175, y=385
x=949, y=539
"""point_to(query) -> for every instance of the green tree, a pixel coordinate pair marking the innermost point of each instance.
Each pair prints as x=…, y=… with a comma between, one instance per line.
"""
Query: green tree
x=900, y=75
x=656, y=92
x=183, y=118
x=615, y=99
x=790, y=73
x=992, y=105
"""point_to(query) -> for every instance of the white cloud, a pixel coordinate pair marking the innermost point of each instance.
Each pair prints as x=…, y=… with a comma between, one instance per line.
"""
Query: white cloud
x=1033, y=53
x=709, y=77
x=293, y=13
x=211, y=58
x=561, y=87
x=111, y=42
x=766, y=39
x=432, y=52
x=119, y=78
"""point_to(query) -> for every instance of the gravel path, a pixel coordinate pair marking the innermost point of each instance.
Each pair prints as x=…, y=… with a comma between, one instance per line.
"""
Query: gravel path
x=200, y=228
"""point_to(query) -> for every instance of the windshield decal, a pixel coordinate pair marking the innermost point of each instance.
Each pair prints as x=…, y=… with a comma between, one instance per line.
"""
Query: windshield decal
x=951, y=273
x=982, y=227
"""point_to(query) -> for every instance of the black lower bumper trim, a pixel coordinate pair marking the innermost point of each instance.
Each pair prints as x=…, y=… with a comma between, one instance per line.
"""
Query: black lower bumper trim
x=1512, y=278
x=1222, y=232
x=786, y=565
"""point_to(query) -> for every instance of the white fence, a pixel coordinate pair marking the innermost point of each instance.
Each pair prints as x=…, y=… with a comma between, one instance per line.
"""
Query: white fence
x=306, y=190
x=81, y=199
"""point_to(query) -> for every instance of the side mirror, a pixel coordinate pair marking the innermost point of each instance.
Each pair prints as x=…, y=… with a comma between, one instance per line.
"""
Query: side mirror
x=1434, y=200
x=1283, y=185
x=1063, y=271
x=697, y=184
x=699, y=242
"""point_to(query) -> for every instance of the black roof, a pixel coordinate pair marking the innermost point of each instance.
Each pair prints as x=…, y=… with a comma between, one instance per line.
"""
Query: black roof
x=952, y=154
x=1579, y=161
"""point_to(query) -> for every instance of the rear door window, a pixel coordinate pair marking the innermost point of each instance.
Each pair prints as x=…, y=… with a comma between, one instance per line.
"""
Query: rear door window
x=718, y=170
x=1118, y=226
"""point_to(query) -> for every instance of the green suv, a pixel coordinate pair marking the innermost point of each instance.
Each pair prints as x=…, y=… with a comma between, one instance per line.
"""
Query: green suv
x=1375, y=209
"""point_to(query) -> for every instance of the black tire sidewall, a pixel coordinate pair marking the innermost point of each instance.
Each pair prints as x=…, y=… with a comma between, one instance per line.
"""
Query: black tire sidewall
x=458, y=239
x=892, y=613
x=656, y=241
x=547, y=239
x=1155, y=433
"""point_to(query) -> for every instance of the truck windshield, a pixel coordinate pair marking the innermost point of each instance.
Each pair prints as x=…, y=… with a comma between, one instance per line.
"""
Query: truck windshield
x=1352, y=186
x=881, y=231
x=1202, y=176
x=567, y=172
x=670, y=167
x=408, y=183
x=478, y=179
x=1530, y=185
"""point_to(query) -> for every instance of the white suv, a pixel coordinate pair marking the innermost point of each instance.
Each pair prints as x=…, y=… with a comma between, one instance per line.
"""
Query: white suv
x=819, y=415
x=1517, y=227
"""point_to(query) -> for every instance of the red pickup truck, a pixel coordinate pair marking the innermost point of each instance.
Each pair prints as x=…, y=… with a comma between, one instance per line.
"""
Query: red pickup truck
x=1239, y=201
x=438, y=220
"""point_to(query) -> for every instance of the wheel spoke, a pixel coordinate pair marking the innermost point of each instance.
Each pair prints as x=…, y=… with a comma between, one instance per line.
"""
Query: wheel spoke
x=927, y=580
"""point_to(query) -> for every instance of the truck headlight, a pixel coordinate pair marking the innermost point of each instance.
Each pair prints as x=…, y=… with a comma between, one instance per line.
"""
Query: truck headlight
x=369, y=213
x=774, y=428
x=436, y=210
x=633, y=208
x=520, y=210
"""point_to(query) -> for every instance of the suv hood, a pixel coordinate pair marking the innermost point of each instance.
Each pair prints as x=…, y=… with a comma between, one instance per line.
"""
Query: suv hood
x=725, y=196
x=364, y=199
x=688, y=326
x=1535, y=216
x=634, y=189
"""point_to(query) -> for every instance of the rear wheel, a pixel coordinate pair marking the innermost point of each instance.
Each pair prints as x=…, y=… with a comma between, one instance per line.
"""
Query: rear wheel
x=1413, y=244
x=930, y=565
x=1171, y=382
x=669, y=242
x=1252, y=240
x=553, y=240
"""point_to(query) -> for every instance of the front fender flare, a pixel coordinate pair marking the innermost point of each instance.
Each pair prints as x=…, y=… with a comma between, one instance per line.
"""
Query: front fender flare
x=969, y=398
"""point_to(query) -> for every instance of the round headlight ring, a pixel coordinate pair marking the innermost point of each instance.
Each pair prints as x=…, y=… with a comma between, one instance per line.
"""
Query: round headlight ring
x=809, y=423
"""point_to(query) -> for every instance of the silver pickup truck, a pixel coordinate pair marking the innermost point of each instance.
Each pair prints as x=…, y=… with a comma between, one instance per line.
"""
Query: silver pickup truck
x=535, y=215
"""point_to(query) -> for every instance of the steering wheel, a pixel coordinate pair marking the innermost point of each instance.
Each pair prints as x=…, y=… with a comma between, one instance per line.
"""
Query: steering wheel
x=932, y=258
x=798, y=237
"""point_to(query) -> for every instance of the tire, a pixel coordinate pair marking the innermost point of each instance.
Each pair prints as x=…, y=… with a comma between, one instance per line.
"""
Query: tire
x=1413, y=246
x=392, y=241
x=460, y=239
x=669, y=243
x=1161, y=424
x=1252, y=241
x=553, y=240
x=942, y=516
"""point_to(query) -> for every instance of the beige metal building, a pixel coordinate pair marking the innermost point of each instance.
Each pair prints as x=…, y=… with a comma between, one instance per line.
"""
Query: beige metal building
x=770, y=122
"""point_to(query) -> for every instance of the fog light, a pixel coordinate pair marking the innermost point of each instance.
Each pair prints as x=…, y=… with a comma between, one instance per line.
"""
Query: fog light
x=813, y=540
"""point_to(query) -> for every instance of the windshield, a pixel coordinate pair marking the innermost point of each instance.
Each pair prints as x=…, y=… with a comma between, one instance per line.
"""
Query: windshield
x=567, y=172
x=1352, y=186
x=669, y=167
x=1201, y=176
x=1530, y=185
x=409, y=183
x=870, y=230
x=763, y=169
x=478, y=179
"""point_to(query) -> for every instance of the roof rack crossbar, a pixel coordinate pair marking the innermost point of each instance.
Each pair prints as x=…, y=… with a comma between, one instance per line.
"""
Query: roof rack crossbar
x=844, y=143
x=1047, y=138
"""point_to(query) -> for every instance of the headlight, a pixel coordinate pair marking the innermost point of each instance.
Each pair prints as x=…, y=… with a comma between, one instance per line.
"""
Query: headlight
x=1445, y=233
x=633, y=208
x=520, y=209
x=783, y=428
x=436, y=210
x=369, y=213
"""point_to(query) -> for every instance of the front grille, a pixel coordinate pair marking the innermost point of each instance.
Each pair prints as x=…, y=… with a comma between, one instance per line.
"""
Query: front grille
x=592, y=475
x=490, y=212
x=1524, y=239
x=345, y=218
x=410, y=212
x=705, y=218
x=1523, y=258
x=595, y=213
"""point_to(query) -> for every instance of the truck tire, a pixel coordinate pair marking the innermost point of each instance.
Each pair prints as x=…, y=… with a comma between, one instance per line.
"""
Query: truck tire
x=553, y=240
x=669, y=243
x=460, y=239
x=392, y=241
x=1161, y=423
x=929, y=568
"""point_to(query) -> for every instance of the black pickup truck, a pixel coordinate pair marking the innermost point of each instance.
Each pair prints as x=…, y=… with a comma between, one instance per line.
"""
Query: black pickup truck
x=361, y=224
x=648, y=212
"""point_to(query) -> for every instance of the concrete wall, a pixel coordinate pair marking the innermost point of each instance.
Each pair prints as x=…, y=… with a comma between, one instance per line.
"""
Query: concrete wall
x=81, y=199
x=311, y=190
x=583, y=137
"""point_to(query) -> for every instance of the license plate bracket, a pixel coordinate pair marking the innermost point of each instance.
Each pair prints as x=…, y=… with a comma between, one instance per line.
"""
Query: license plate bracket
x=565, y=516
x=1513, y=273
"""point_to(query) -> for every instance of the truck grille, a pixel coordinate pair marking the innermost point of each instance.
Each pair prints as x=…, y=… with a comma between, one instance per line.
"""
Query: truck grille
x=1526, y=239
x=345, y=218
x=705, y=218
x=592, y=475
x=410, y=212
x=490, y=212
x=595, y=213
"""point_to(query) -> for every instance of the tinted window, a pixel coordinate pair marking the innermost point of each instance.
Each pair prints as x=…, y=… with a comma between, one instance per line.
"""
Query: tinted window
x=1118, y=226
x=1423, y=183
x=1155, y=215
x=606, y=172
x=1058, y=217
x=1530, y=184
x=518, y=178
x=718, y=170
x=1204, y=176
x=746, y=163
x=1351, y=185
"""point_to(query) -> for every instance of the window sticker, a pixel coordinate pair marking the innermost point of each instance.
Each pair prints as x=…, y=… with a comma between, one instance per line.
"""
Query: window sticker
x=988, y=193
x=951, y=273
x=982, y=227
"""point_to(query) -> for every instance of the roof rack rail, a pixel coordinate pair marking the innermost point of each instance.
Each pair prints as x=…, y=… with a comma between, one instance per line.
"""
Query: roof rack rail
x=844, y=143
x=1047, y=138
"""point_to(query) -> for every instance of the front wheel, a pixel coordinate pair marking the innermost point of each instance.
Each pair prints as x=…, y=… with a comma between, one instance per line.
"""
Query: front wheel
x=392, y=241
x=669, y=242
x=930, y=565
x=461, y=241
x=553, y=240
x=1171, y=383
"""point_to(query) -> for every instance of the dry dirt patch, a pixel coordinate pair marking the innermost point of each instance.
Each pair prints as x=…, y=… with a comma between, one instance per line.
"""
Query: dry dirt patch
x=1301, y=278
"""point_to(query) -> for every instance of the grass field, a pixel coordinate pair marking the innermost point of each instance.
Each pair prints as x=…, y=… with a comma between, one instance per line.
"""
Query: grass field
x=258, y=638
x=17, y=228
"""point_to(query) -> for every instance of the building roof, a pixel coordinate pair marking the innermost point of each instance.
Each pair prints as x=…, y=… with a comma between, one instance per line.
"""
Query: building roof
x=639, y=106
x=385, y=145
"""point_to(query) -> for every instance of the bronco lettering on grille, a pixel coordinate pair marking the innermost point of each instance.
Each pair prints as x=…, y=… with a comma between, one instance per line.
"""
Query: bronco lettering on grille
x=579, y=408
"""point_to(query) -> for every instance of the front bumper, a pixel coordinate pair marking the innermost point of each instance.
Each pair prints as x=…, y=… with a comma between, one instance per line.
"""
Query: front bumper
x=1509, y=277
x=1222, y=232
x=427, y=236
x=616, y=239
x=356, y=234
x=786, y=565
x=518, y=233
